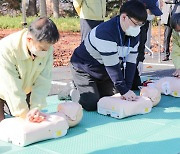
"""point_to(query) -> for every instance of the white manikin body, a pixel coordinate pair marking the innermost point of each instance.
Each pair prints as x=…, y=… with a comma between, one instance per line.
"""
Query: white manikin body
x=168, y=86
x=119, y=108
x=22, y=132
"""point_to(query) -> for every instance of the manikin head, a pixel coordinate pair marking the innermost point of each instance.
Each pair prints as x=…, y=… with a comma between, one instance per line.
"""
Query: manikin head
x=153, y=93
x=71, y=111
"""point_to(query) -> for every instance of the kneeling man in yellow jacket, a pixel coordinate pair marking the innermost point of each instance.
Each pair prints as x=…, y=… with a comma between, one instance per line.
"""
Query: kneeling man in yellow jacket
x=26, y=59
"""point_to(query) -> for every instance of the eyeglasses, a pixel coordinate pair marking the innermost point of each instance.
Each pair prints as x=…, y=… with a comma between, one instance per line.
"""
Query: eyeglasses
x=136, y=24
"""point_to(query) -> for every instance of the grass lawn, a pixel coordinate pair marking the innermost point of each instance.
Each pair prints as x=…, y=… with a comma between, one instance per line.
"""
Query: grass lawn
x=63, y=24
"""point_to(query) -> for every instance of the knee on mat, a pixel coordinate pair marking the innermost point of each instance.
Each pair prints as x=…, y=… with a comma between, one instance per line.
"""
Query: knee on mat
x=89, y=108
x=89, y=104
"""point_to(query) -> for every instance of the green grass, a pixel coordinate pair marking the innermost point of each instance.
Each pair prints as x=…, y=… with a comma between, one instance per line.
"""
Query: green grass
x=68, y=24
x=63, y=24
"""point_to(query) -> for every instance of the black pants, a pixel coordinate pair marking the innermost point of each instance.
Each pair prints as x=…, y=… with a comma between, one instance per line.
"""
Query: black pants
x=3, y=104
x=87, y=25
x=167, y=39
x=136, y=81
x=91, y=89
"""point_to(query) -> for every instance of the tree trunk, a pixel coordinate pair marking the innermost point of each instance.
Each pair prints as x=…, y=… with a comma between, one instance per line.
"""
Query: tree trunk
x=32, y=9
x=43, y=8
x=24, y=13
x=56, y=8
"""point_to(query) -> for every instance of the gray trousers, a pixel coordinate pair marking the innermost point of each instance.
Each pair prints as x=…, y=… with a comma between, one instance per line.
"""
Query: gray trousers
x=91, y=89
x=87, y=25
x=5, y=109
x=167, y=39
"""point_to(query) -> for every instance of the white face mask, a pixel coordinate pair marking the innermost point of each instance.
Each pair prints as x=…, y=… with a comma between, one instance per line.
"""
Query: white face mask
x=38, y=53
x=133, y=31
x=150, y=17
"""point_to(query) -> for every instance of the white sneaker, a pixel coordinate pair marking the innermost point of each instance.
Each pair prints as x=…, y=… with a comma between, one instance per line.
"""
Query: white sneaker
x=64, y=93
x=74, y=94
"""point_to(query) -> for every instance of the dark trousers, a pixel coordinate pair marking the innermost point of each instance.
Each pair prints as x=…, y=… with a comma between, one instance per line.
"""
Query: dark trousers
x=87, y=25
x=5, y=109
x=136, y=81
x=167, y=39
x=91, y=89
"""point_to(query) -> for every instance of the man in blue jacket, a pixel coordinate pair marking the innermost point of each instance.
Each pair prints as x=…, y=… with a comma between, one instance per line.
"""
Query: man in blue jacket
x=97, y=62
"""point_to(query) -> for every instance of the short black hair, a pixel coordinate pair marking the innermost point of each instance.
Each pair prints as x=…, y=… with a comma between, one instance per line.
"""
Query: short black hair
x=134, y=9
x=44, y=29
x=175, y=20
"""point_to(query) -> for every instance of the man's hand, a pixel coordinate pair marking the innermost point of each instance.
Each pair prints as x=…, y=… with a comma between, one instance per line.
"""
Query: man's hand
x=35, y=115
x=140, y=67
x=129, y=96
x=177, y=73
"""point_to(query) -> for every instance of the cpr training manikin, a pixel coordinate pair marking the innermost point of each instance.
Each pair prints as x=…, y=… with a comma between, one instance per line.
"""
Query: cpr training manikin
x=150, y=96
x=22, y=132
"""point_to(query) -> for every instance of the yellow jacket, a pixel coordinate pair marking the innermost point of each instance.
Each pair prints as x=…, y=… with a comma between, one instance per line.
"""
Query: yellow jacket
x=90, y=9
x=21, y=75
x=176, y=50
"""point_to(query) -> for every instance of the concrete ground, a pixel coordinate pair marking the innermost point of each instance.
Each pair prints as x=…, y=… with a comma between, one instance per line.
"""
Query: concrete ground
x=153, y=67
